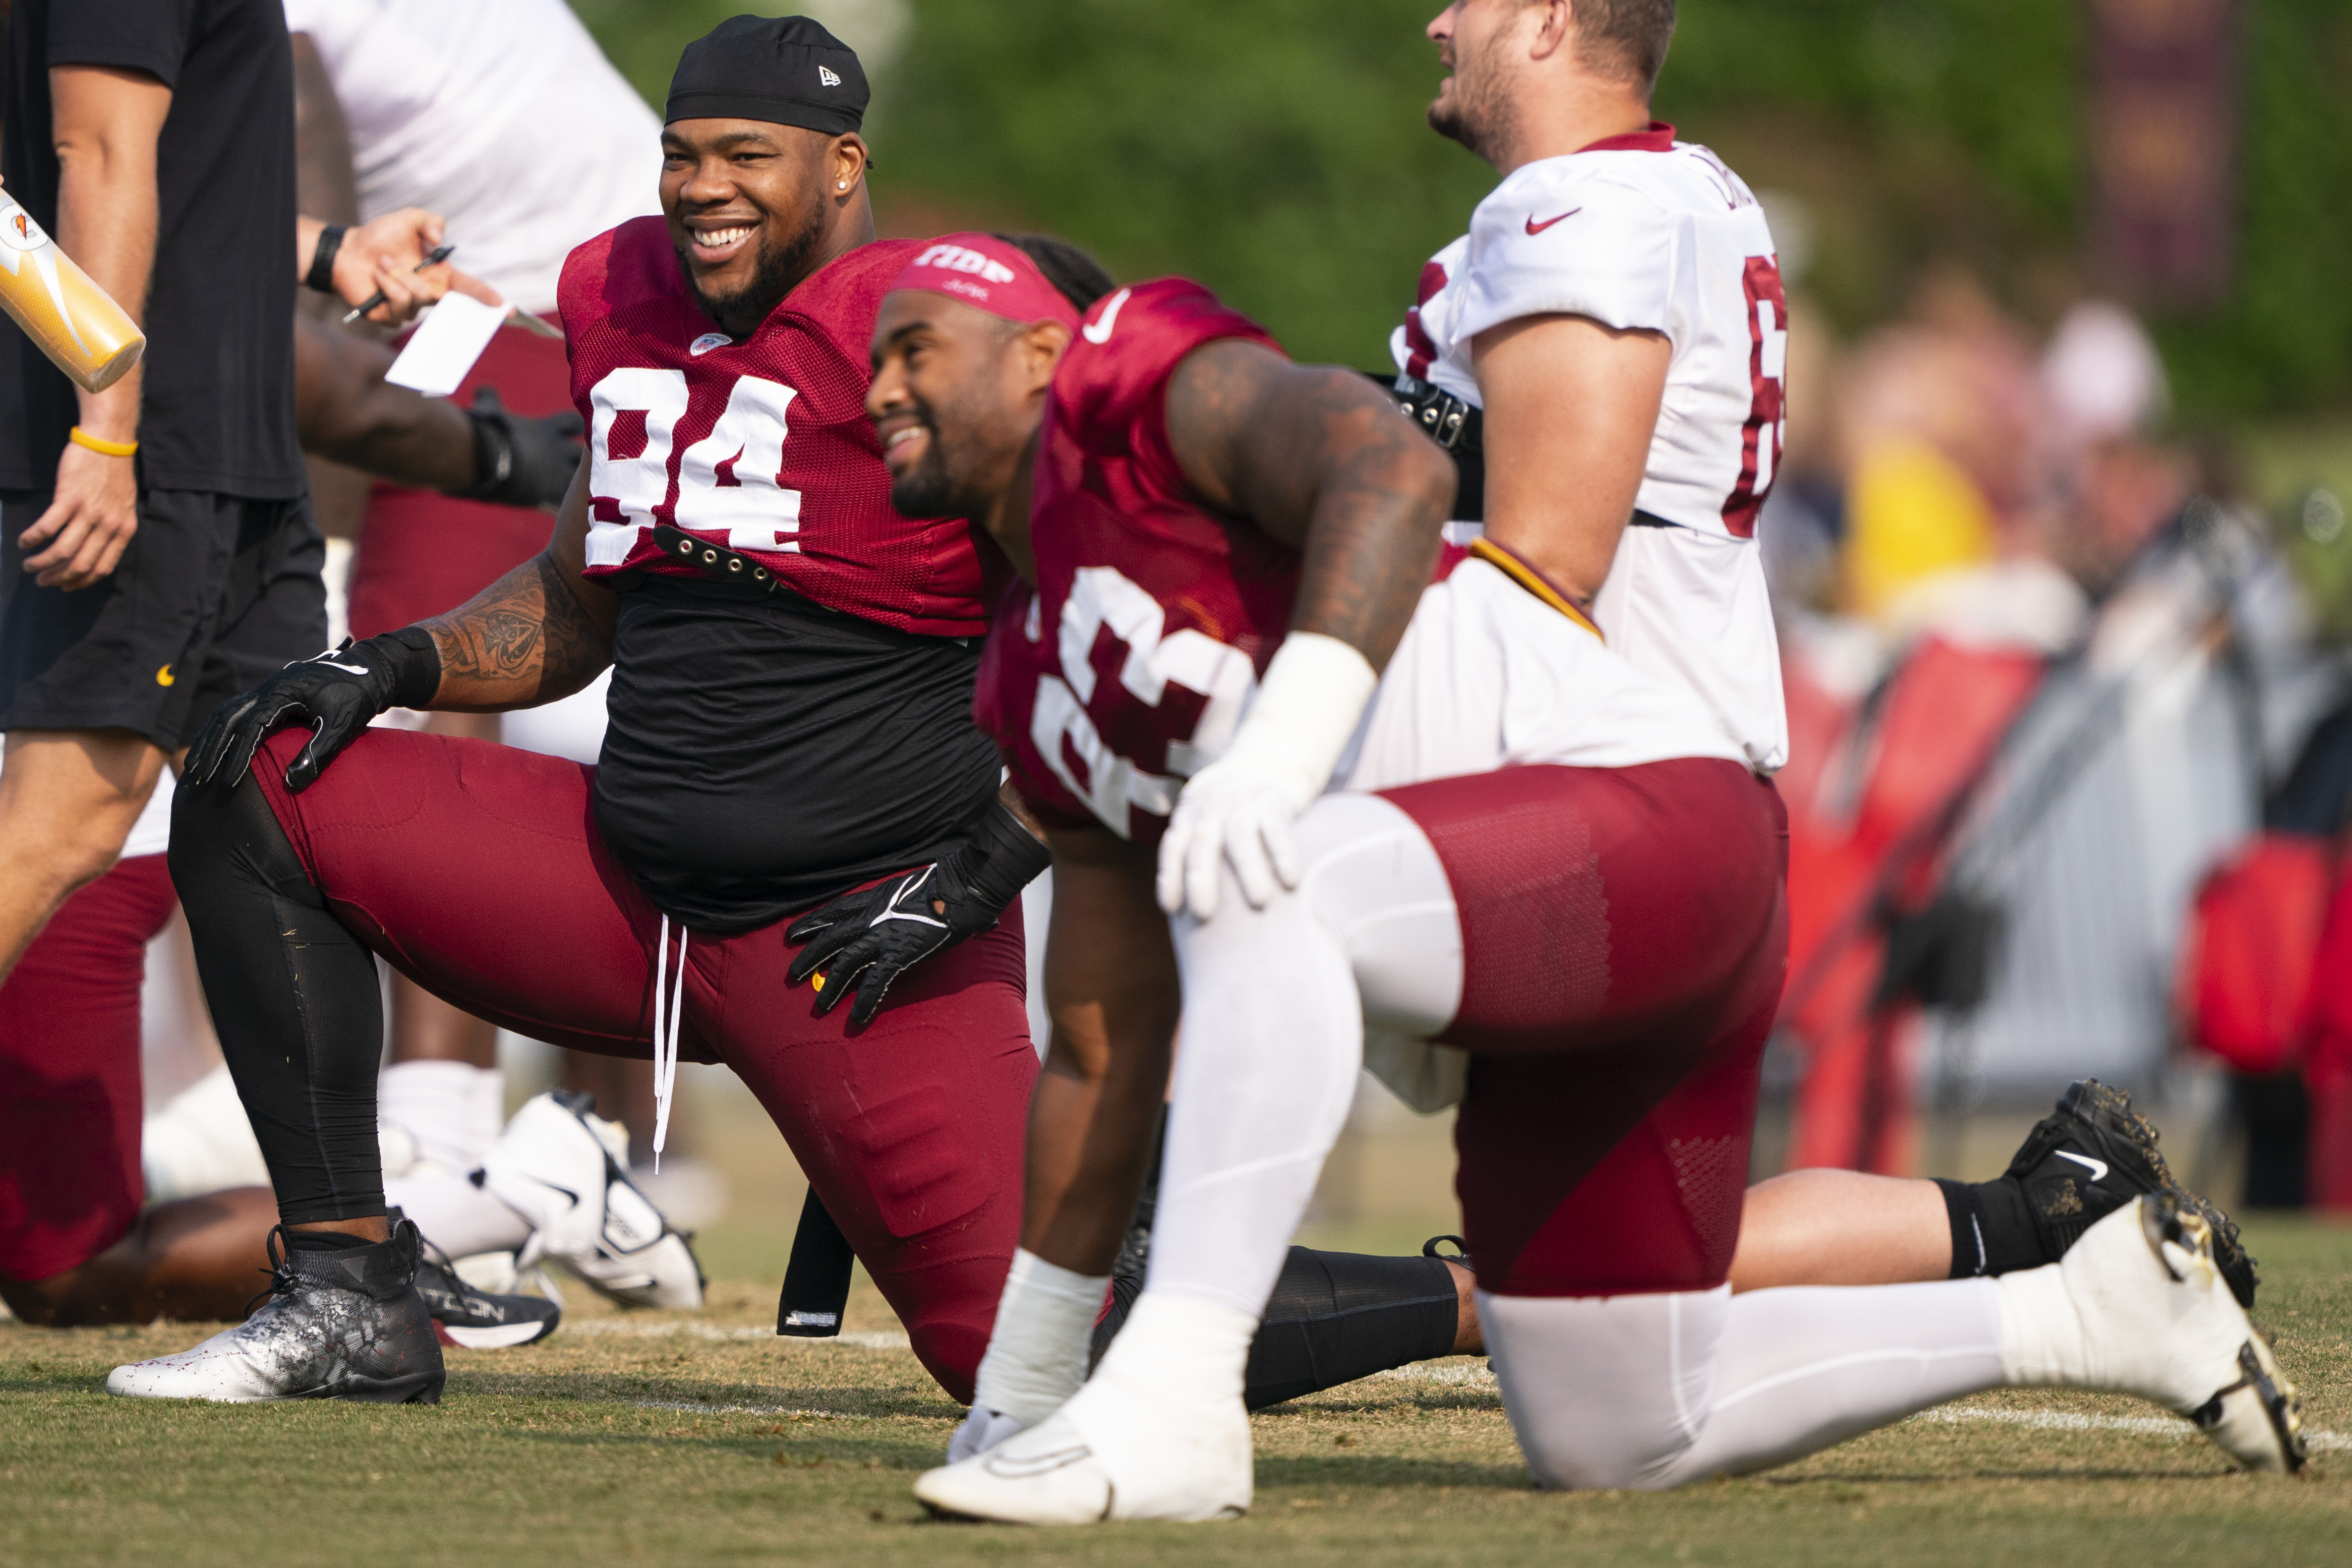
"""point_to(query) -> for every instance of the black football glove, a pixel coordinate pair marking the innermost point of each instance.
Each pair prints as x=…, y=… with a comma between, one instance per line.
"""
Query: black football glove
x=338, y=691
x=882, y=932
x=520, y=462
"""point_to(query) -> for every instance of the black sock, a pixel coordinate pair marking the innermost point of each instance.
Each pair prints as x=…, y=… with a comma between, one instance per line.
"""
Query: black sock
x=294, y=995
x=325, y=1241
x=1992, y=1228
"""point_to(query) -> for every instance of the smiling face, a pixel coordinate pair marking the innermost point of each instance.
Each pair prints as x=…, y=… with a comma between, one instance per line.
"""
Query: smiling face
x=957, y=399
x=750, y=205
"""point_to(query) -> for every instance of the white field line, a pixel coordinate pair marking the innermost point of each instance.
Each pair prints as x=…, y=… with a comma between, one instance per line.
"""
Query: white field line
x=623, y=1328
x=2171, y=1427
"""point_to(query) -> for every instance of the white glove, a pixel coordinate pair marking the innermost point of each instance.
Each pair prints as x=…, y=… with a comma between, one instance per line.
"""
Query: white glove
x=1239, y=809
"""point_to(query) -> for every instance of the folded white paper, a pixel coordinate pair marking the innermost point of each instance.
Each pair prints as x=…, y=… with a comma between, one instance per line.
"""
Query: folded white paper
x=446, y=344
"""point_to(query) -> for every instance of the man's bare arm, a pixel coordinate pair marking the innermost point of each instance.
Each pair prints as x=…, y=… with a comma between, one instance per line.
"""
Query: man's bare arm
x=1570, y=407
x=1114, y=996
x=1319, y=458
x=542, y=632
x=105, y=123
x=345, y=410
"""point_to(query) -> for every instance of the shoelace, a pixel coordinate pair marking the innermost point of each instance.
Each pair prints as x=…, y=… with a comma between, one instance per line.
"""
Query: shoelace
x=281, y=1269
x=665, y=1032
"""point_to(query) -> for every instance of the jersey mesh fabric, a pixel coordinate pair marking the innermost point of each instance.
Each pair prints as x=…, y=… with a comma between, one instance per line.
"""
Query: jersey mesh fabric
x=1604, y=1129
x=1152, y=617
x=684, y=424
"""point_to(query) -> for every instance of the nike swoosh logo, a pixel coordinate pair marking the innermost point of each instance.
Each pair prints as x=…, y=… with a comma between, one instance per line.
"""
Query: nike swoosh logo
x=354, y=669
x=1099, y=332
x=1535, y=229
x=1013, y=1469
x=891, y=911
x=2098, y=1168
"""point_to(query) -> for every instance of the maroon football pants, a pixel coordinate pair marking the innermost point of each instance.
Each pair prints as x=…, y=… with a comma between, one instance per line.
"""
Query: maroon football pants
x=477, y=871
x=69, y=1083
x=1625, y=934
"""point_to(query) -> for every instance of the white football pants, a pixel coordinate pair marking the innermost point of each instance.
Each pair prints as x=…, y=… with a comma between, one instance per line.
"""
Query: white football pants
x=1650, y=1392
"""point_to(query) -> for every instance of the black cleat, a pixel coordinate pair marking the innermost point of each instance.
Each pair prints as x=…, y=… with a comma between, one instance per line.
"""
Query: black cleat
x=2094, y=1155
x=339, y=1324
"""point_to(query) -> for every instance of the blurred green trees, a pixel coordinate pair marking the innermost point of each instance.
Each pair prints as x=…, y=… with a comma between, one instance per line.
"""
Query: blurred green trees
x=1275, y=150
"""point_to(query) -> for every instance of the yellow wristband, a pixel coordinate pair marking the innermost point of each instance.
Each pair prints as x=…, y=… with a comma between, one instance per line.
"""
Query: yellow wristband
x=82, y=437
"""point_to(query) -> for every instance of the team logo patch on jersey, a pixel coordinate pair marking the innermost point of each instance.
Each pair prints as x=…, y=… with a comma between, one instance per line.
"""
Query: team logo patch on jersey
x=707, y=342
x=827, y=76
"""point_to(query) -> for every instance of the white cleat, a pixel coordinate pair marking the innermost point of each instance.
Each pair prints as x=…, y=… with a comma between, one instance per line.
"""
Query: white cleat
x=1143, y=1439
x=2138, y=1306
x=560, y=1168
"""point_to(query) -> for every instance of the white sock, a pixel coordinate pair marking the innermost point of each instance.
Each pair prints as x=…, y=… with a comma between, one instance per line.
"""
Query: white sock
x=1037, y=1355
x=1181, y=1351
x=2042, y=1344
x=441, y=1105
x=455, y=1216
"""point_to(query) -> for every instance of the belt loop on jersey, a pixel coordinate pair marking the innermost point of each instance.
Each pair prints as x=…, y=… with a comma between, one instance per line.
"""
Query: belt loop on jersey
x=665, y=1033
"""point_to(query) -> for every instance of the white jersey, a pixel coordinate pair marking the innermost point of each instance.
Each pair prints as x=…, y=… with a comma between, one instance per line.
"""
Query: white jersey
x=1643, y=232
x=500, y=115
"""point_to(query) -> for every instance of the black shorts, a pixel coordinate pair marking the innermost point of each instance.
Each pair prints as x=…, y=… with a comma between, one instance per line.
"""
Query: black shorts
x=213, y=593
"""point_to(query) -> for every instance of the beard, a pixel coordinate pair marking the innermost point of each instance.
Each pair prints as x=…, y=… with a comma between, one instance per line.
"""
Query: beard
x=774, y=269
x=927, y=489
x=1479, y=115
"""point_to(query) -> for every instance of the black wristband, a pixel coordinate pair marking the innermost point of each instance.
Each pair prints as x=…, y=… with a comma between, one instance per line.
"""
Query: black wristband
x=412, y=659
x=493, y=458
x=322, y=276
x=1002, y=857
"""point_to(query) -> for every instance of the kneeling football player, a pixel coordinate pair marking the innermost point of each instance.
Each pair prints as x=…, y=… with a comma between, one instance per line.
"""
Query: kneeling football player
x=1528, y=850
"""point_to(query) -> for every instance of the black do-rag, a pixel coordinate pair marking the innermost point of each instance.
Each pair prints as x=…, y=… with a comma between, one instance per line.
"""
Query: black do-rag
x=784, y=70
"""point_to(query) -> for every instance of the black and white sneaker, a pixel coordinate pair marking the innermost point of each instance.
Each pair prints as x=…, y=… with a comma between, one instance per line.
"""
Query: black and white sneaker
x=563, y=1169
x=343, y=1322
x=2094, y=1155
x=477, y=1320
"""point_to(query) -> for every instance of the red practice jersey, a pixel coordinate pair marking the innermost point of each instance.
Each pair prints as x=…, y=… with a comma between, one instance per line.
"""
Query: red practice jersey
x=1129, y=665
x=763, y=445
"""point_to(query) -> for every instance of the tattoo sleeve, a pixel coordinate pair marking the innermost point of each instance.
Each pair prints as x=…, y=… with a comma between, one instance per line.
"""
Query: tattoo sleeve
x=1320, y=459
x=530, y=637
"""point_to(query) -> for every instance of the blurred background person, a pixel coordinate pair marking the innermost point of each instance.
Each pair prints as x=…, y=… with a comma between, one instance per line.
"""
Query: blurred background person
x=156, y=550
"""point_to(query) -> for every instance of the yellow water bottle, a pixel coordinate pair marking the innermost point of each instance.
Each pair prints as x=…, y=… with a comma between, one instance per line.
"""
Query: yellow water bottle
x=77, y=324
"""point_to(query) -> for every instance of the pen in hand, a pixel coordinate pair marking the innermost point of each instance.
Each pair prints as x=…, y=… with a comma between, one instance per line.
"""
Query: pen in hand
x=434, y=258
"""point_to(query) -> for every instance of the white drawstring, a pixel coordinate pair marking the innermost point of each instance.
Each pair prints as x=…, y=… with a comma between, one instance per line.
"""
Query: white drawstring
x=665, y=1033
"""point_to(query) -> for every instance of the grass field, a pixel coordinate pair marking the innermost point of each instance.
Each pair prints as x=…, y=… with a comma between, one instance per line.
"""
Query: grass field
x=659, y=1438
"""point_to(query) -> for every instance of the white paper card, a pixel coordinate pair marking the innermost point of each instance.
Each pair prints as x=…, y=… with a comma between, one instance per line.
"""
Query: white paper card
x=445, y=345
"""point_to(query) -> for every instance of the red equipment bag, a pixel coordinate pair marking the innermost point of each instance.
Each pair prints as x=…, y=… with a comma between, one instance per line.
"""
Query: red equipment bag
x=2243, y=987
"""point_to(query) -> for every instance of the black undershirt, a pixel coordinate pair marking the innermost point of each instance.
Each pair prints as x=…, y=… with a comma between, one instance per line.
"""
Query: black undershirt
x=764, y=754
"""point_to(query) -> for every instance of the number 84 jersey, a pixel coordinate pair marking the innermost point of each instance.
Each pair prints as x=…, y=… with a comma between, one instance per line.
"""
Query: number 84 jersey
x=763, y=445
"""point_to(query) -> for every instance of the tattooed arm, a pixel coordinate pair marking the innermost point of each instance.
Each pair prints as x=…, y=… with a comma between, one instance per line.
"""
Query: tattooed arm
x=1319, y=459
x=539, y=632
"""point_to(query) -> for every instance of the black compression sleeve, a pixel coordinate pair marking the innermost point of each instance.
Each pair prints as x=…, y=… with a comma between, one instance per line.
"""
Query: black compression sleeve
x=294, y=998
x=1335, y=1317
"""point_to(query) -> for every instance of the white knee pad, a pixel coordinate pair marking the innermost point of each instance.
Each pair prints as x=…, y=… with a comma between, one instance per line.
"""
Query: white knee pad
x=1606, y=1391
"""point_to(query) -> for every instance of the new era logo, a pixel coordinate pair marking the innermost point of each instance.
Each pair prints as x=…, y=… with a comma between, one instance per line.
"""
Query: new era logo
x=826, y=76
